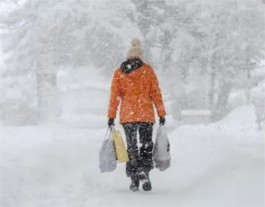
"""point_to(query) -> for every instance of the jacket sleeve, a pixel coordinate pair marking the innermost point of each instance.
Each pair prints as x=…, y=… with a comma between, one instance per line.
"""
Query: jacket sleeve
x=114, y=96
x=155, y=94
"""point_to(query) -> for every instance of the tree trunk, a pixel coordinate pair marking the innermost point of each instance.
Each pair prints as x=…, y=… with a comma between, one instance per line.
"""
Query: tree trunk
x=247, y=89
x=48, y=96
x=49, y=110
x=221, y=104
x=212, y=88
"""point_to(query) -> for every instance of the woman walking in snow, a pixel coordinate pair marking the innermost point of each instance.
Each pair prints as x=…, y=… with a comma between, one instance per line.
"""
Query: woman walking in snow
x=135, y=85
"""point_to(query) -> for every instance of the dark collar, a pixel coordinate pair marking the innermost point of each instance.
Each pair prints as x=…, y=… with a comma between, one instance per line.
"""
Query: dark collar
x=131, y=64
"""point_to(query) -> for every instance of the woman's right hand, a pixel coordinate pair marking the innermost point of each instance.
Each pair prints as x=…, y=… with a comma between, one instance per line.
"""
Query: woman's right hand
x=111, y=122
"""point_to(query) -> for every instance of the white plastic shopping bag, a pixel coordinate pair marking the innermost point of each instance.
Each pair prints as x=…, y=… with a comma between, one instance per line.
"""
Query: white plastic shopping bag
x=162, y=149
x=107, y=157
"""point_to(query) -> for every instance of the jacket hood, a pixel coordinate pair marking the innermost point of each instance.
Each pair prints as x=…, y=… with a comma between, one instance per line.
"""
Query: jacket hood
x=130, y=65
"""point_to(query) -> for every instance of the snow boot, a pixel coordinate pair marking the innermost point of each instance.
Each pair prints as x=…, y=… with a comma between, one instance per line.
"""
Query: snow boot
x=134, y=183
x=146, y=183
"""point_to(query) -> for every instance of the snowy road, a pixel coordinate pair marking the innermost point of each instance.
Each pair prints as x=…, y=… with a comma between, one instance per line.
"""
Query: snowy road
x=58, y=166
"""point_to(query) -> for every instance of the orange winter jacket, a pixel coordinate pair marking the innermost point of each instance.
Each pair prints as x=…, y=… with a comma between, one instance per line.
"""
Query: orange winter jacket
x=137, y=92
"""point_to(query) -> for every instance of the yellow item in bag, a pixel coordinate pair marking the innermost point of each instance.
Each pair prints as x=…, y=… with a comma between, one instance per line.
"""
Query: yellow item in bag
x=120, y=149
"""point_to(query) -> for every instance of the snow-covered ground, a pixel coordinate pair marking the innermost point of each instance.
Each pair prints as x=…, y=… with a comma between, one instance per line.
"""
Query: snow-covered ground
x=221, y=164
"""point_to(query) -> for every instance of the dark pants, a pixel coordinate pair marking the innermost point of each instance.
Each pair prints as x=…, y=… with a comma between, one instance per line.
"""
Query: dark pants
x=139, y=160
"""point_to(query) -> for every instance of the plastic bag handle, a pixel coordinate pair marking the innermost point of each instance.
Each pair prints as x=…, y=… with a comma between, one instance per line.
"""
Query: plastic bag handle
x=109, y=130
x=112, y=128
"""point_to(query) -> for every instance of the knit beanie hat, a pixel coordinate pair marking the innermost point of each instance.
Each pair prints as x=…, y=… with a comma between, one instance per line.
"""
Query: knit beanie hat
x=135, y=51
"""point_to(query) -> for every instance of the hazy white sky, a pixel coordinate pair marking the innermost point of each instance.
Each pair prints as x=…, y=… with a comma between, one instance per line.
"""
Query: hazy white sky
x=7, y=6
